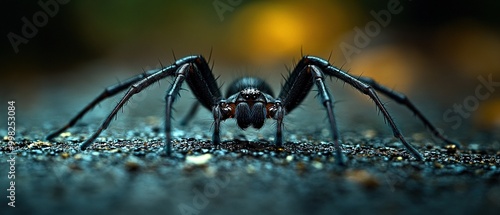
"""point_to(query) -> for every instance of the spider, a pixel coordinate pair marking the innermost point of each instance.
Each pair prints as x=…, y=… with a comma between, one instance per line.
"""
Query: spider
x=250, y=101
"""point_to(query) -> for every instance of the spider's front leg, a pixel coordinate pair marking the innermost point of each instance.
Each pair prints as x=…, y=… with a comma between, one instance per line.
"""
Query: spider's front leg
x=203, y=85
x=220, y=112
x=296, y=88
x=277, y=112
x=192, y=69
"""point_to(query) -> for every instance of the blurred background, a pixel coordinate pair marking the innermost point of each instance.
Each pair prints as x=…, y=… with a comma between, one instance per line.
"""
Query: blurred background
x=435, y=52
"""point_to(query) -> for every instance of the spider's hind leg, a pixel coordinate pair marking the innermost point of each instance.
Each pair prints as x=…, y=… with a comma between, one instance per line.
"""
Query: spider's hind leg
x=403, y=100
x=366, y=89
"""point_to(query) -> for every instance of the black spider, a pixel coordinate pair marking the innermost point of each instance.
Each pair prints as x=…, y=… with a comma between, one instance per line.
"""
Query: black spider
x=250, y=100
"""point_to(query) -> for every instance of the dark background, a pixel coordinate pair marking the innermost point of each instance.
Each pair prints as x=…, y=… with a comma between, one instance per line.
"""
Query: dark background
x=433, y=51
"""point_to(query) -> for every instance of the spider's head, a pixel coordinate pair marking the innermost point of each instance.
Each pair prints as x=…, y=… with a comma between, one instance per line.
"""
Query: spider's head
x=250, y=94
x=248, y=87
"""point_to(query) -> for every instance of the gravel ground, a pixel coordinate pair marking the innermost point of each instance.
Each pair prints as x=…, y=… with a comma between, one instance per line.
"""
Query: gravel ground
x=130, y=176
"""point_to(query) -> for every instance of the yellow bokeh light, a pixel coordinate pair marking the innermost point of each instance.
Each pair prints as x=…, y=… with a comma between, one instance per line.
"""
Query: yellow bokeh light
x=388, y=65
x=276, y=32
x=269, y=32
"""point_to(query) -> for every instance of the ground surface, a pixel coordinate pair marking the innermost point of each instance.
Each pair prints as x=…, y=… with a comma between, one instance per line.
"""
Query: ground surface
x=124, y=172
x=129, y=175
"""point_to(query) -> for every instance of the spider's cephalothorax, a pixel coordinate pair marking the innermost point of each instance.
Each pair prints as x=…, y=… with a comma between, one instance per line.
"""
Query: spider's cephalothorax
x=250, y=100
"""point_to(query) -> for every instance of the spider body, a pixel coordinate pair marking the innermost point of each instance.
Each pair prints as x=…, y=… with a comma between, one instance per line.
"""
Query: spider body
x=250, y=101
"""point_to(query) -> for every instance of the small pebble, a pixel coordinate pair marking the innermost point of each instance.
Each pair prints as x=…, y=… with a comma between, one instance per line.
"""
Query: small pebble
x=369, y=133
x=438, y=165
x=250, y=169
x=65, y=155
x=199, y=159
x=363, y=178
x=65, y=134
x=133, y=163
x=317, y=165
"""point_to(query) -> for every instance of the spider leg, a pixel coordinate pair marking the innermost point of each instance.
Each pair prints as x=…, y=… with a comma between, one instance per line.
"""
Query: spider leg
x=107, y=93
x=172, y=93
x=296, y=88
x=280, y=114
x=366, y=89
x=203, y=84
x=134, y=89
x=403, y=100
x=192, y=69
x=327, y=100
x=218, y=117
